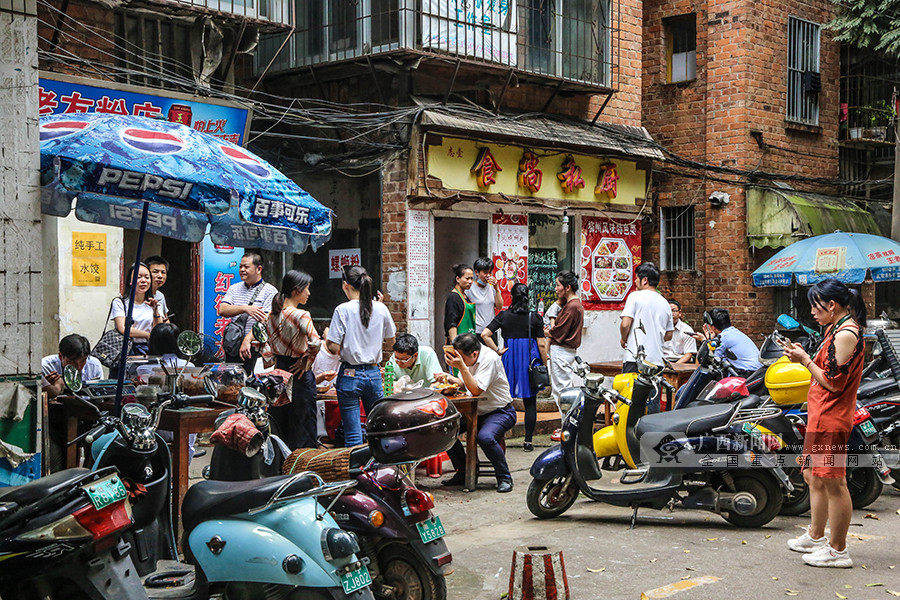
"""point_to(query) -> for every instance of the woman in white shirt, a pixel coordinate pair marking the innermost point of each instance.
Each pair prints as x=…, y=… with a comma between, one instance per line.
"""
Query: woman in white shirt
x=144, y=315
x=358, y=330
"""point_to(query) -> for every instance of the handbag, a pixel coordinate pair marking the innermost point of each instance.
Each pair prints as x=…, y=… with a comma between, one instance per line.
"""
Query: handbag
x=538, y=373
x=108, y=349
x=233, y=334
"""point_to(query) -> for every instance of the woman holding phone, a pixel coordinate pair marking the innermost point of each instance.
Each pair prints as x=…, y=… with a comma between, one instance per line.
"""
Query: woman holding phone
x=359, y=329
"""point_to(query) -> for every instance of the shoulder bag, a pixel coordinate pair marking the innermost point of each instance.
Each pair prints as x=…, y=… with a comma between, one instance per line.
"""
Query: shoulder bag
x=233, y=334
x=537, y=371
x=109, y=348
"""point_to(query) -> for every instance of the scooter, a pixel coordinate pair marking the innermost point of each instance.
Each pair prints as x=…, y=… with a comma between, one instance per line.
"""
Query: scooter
x=675, y=458
x=398, y=533
x=265, y=538
x=61, y=536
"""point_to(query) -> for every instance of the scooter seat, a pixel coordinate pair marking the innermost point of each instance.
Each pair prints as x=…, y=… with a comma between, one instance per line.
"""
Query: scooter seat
x=43, y=487
x=209, y=499
x=693, y=420
x=875, y=387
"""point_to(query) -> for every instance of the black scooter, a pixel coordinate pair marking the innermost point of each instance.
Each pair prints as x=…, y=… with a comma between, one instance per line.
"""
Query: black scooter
x=687, y=457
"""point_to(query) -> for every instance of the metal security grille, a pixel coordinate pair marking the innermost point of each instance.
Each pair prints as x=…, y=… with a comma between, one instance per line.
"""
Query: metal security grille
x=803, y=78
x=574, y=40
x=677, y=238
x=152, y=50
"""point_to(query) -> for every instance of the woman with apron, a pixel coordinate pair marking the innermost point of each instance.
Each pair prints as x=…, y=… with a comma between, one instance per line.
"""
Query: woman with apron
x=459, y=311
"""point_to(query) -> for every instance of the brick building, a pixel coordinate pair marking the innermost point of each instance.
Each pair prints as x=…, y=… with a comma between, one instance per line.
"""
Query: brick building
x=752, y=89
x=560, y=86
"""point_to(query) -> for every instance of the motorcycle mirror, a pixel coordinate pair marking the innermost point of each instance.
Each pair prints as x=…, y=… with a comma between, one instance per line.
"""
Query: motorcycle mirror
x=730, y=355
x=189, y=343
x=72, y=378
x=788, y=322
x=259, y=333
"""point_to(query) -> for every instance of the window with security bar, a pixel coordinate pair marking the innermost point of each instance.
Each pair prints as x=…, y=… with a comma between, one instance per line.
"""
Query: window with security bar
x=804, y=81
x=151, y=49
x=676, y=235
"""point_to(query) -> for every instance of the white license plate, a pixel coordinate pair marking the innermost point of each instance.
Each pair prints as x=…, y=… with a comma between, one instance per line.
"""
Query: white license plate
x=431, y=530
x=355, y=580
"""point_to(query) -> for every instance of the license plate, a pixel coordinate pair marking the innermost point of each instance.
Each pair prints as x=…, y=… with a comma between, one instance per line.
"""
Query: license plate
x=355, y=580
x=105, y=492
x=431, y=530
x=868, y=428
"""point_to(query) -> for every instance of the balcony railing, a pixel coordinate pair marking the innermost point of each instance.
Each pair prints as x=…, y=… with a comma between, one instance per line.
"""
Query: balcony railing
x=572, y=40
x=276, y=12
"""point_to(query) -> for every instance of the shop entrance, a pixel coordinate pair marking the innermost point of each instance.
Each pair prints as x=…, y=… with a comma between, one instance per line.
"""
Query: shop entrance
x=455, y=241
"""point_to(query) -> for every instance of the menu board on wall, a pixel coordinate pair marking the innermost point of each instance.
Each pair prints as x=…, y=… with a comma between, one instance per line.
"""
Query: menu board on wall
x=511, y=253
x=542, y=270
x=610, y=251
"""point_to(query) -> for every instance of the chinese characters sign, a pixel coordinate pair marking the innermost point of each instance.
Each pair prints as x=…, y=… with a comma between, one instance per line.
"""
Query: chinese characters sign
x=830, y=260
x=485, y=168
x=570, y=176
x=88, y=259
x=610, y=251
x=226, y=122
x=530, y=177
x=338, y=259
x=220, y=270
x=510, y=253
x=483, y=29
x=606, y=181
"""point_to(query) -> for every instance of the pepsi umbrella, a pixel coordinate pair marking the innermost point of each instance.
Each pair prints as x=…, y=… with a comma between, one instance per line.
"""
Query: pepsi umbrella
x=173, y=181
x=843, y=256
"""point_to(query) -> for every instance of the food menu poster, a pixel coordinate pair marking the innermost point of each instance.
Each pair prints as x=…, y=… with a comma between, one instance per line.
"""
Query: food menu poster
x=511, y=253
x=610, y=251
x=542, y=270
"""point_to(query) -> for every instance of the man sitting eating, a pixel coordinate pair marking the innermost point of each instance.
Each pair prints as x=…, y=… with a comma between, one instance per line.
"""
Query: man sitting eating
x=481, y=371
x=419, y=363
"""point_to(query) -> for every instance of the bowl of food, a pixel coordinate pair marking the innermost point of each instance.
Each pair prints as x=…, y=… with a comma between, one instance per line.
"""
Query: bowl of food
x=448, y=389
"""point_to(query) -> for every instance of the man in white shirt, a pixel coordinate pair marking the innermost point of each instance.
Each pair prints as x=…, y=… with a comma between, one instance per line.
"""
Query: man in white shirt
x=74, y=350
x=646, y=320
x=682, y=347
x=481, y=372
x=485, y=294
x=251, y=296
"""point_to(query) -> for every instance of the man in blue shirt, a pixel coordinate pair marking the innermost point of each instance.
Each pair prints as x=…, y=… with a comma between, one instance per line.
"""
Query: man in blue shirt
x=731, y=338
x=74, y=350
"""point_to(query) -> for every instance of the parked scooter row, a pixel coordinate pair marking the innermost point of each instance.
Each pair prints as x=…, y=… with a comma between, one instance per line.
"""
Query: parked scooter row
x=686, y=458
x=398, y=533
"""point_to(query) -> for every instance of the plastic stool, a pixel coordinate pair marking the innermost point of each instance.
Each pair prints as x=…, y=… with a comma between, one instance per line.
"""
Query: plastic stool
x=434, y=466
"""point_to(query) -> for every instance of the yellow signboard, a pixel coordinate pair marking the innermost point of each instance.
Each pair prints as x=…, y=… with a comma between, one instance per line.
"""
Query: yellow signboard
x=88, y=259
x=515, y=171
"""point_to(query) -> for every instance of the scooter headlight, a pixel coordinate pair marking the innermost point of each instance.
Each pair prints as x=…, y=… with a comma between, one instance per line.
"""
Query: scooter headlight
x=337, y=543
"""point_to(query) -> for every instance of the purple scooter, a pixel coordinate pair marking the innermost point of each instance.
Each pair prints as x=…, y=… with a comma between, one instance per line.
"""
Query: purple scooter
x=397, y=531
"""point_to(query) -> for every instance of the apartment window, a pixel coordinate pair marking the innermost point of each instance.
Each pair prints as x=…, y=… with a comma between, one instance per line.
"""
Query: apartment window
x=681, y=48
x=569, y=39
x=153, y=49
x=804, y=81
x=676, y=234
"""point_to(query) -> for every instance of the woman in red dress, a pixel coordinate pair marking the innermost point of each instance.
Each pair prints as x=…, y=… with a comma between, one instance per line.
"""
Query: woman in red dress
x=836, y=371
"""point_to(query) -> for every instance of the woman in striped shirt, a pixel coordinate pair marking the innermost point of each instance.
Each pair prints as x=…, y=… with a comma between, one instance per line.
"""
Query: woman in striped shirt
x=292, y=346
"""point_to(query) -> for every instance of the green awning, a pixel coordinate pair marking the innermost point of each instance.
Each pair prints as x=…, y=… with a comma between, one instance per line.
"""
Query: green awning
x=778, y=218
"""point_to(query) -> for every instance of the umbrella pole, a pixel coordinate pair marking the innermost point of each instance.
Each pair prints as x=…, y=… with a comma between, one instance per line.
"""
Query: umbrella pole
x=134, y=278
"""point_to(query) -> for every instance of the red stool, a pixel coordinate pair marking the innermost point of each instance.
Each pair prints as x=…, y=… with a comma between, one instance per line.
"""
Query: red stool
x=434, y=466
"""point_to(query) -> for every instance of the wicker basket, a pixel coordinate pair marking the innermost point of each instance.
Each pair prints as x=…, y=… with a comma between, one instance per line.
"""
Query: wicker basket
x=331, y=465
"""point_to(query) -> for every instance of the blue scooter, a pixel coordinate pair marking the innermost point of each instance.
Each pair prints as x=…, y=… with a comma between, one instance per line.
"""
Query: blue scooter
x=258, y=539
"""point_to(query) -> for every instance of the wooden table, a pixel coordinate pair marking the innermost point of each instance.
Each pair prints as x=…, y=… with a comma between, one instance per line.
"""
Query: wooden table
x=677, y=374
x=181, y=423
x=468, y=408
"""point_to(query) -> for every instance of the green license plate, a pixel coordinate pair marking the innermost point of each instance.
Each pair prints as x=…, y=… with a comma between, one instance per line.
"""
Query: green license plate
x=106, y=491
x=868, y=428
x=431, y=530
x=355, y=580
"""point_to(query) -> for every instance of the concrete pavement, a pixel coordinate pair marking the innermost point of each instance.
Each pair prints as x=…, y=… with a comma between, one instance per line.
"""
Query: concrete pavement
x=694, y=550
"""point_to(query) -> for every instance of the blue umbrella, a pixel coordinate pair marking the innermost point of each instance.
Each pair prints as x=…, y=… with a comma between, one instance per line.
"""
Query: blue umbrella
x=843, y=256
x=117, y=167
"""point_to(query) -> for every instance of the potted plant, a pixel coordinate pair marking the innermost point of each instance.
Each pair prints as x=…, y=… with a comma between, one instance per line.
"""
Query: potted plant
x=876, y=119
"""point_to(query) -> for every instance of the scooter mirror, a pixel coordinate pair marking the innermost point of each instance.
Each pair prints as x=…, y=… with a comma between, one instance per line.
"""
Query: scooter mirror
x=788, y=322
x=72, y=378
x=730, y=355
x=189, y=343
x=259, y=333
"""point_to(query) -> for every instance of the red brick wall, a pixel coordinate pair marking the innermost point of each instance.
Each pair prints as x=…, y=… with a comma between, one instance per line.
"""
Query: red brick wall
x=394, y=181
x=76, y=38
x=740, y=86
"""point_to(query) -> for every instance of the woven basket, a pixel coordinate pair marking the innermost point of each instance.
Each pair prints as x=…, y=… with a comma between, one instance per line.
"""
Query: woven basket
x=331, y=465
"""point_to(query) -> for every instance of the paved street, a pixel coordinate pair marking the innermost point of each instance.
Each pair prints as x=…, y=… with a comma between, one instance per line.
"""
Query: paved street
x=604, y=559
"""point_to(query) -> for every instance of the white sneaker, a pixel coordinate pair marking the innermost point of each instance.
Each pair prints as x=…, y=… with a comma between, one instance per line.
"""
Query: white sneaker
x=806, y=544
x=826, y=556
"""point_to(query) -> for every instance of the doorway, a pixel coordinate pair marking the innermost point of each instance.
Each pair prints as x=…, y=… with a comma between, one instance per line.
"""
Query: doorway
x=455, y=241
